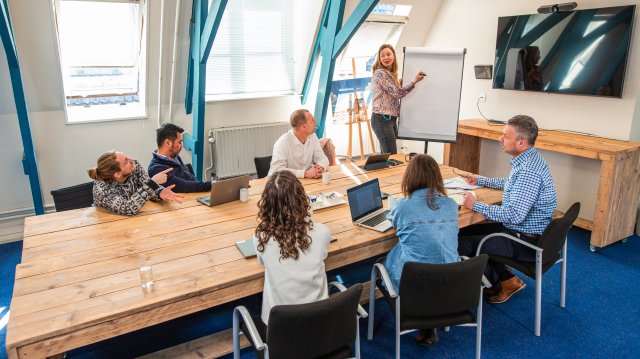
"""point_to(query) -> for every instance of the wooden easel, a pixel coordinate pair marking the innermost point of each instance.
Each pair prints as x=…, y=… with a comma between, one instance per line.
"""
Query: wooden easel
x=357, y=114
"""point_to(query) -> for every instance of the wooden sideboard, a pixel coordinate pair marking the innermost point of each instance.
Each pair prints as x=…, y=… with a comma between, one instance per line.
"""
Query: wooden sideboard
x=618, y=187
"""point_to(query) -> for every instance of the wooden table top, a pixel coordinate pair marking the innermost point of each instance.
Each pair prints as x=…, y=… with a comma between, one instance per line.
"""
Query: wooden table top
x=557, y=141
x=78, y=282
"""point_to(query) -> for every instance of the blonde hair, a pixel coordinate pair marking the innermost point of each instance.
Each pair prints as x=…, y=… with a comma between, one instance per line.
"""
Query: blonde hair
x=394, y=67
x=107, y=167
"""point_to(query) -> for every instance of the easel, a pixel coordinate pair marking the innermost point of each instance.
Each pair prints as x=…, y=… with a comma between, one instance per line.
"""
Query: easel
x=357, y=114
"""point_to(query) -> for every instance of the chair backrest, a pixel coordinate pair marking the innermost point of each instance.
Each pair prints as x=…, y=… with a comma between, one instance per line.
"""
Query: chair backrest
x=440, y=289
x=554, y=236
x=313, y=329
x=262, y=166
x=73, y=197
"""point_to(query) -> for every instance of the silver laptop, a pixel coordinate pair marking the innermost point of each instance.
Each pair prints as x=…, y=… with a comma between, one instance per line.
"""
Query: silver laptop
x=365, y=203
x=224, y=191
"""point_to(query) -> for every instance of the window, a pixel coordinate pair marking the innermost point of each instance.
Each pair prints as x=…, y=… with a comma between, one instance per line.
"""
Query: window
x=102, y=47
x=252, y=54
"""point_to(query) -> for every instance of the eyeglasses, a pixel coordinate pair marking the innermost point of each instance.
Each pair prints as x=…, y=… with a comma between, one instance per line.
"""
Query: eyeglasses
x=460, y=174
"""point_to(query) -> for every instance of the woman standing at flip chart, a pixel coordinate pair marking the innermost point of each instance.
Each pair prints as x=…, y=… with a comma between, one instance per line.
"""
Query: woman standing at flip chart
x=388, y=91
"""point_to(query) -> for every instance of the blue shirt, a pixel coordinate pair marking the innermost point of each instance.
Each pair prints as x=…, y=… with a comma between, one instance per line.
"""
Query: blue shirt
x=529, y=197
x=425, y=235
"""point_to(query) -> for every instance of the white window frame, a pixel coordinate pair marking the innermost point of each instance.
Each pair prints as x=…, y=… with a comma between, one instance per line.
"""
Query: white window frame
x=108, y=113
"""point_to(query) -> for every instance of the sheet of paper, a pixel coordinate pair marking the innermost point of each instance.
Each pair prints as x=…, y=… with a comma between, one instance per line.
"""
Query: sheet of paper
x=458, y=183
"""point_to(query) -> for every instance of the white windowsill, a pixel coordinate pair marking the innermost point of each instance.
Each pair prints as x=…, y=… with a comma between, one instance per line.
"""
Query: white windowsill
x=248, y=96
x=104, y=113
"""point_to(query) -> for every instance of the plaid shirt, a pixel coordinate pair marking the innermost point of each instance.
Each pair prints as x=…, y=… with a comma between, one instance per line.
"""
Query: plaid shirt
x=529, y=197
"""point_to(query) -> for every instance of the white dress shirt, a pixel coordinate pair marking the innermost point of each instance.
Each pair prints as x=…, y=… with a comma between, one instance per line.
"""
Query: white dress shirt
x=292, y=155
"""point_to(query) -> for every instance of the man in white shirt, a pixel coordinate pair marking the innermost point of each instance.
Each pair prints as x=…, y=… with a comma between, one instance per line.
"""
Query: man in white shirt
x=299, y=150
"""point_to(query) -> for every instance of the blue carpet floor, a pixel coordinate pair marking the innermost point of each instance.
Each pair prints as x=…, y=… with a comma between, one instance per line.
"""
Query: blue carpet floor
x=600, y=320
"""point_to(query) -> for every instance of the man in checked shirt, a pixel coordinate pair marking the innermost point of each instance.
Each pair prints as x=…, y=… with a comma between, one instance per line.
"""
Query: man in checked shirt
x=528, y=202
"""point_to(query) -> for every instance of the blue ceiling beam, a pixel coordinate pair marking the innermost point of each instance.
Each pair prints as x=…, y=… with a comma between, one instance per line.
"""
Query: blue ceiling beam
x=29, y=161
x=331, y=40
x=204, y=29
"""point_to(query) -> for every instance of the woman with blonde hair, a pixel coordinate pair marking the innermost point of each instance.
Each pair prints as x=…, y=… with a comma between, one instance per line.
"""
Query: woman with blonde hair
x=426, y=223
x=387, y=92
x=289, y=245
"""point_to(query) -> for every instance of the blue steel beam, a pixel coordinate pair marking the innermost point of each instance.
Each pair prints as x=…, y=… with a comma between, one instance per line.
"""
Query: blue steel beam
x=188, y=98
x=314, y=55
x=204, y=29
x=29, y=161
x=331, y=40
x=211, y=28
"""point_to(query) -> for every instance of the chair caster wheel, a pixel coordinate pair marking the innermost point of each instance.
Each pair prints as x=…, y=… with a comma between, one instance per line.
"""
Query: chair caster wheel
x=593, y=248
x=624, y=240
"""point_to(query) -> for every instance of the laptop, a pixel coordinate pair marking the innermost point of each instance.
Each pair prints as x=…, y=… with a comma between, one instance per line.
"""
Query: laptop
x=376, y=162
x=224, y=191
x=365, y=203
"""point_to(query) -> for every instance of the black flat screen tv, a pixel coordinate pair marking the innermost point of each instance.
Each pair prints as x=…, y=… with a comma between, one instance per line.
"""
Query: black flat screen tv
x=582, y=52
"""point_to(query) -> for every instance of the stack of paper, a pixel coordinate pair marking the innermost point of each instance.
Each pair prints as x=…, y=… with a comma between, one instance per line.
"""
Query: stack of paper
x=458, y=183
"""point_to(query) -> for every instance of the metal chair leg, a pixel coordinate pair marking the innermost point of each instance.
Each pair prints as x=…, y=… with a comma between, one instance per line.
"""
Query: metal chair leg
x=479, y=327
x=563, y=275
x=357, y=345
x=372, y=303
x=398, y=327
x=538, y=293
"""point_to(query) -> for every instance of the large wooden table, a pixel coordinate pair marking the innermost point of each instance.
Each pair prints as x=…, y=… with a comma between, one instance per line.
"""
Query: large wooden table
x=618, y=187
x=78, y=281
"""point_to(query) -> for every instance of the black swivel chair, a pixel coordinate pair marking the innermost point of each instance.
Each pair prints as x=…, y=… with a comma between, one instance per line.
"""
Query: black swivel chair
x=322, y=329
x=73, y=197
x=432, y=296
x=262, y=166
x=550, y=249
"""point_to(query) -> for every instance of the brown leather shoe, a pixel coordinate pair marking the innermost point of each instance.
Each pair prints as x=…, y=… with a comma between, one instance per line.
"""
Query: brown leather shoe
x=508, y=288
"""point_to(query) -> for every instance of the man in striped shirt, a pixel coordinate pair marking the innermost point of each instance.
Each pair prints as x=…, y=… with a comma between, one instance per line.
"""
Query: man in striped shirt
x=528, y=202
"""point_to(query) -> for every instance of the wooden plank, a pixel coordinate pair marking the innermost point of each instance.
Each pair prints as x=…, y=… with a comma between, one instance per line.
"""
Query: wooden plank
x=208, y=347
x=464, y=154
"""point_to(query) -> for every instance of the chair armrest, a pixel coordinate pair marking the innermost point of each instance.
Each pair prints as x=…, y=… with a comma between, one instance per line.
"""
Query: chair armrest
x=485, y=281
x=242, y=312
x=339, y=286
x=508, y=236
x=385, y=278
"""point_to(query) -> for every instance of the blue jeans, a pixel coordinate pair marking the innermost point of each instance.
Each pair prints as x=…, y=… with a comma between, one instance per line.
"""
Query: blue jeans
x=386, y=131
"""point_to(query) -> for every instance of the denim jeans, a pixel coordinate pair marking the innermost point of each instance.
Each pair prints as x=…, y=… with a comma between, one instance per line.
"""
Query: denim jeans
x=386, y=131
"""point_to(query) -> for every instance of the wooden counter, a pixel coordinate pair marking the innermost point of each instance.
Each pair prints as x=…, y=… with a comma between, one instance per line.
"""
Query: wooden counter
x=78, y=281
x=619, y=184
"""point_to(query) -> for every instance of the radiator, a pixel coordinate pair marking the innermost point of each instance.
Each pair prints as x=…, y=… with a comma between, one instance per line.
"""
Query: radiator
x=235, y=147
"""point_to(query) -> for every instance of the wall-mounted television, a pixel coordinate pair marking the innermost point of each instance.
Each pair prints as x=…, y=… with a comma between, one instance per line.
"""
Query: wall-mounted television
x=582, y=52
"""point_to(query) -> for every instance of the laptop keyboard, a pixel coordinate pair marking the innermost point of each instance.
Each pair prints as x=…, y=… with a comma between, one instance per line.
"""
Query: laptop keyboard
x=376, y=220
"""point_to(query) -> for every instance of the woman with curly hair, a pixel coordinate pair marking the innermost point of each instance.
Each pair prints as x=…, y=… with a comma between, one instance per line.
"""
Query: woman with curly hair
x=289, y=245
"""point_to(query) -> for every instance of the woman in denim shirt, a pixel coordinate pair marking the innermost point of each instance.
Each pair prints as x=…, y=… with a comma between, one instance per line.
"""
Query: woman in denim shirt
x=426, y=224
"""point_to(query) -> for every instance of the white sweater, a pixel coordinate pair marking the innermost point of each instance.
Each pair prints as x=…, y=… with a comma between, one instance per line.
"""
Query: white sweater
x=298, y=281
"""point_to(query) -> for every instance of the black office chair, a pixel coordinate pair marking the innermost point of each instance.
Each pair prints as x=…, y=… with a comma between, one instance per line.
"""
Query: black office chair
x=551, y=249
x=73, y=197
x=190, y=168
x=262, y=166
x=432, y=296
x=322, y=329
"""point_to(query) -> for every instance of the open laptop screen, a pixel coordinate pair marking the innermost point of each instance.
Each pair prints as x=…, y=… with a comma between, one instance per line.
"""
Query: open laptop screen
x=364, y=199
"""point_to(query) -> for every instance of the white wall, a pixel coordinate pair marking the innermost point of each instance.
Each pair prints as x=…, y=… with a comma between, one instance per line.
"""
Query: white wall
x=472, y=24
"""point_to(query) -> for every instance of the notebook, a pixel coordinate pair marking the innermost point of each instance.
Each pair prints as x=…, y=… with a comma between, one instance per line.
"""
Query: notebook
x=365, y=204
x=248, y=249
x=224, y=191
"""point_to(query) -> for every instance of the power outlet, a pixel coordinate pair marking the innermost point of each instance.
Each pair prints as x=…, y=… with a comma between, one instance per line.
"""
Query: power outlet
x=482, y=97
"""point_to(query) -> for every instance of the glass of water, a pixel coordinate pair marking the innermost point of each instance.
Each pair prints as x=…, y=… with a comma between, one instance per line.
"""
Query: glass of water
x=146, y=275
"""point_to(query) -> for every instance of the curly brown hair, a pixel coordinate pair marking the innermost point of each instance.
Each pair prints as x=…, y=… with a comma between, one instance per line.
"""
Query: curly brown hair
x=423, y=172
x=284, y=215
